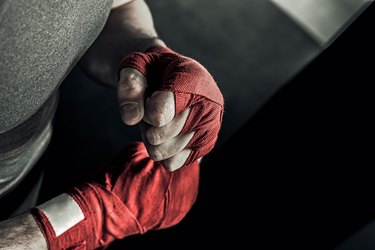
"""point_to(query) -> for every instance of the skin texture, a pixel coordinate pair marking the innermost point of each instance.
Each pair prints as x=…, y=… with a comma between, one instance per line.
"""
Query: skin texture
x=20, y=233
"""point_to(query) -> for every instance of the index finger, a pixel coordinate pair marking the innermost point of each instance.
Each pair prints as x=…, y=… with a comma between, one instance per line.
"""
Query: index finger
x=160, y=108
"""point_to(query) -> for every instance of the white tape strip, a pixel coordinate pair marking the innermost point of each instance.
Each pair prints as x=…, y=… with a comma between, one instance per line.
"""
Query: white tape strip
x=63, y=213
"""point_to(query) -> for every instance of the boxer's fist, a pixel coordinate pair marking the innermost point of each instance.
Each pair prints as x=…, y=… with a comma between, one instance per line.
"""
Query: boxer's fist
x=176, y=102
x=132, y=194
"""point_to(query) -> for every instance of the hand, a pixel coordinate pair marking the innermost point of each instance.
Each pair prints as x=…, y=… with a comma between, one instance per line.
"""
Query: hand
x=176, y=102
x=160, y=128
x=131, y=195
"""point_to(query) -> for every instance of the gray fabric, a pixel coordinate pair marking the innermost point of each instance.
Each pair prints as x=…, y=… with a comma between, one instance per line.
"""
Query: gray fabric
x=14, y=169
x=18, y=139
x=22, y=147
x=40, y=41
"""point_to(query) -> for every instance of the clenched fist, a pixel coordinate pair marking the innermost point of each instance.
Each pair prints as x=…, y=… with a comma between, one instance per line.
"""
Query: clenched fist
x=176, y=102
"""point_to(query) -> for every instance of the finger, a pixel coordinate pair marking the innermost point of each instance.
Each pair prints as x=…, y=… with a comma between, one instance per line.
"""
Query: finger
x=160, y=108
x=159, y=135
x=169, y=148
x=176, y=161
x=131, y=93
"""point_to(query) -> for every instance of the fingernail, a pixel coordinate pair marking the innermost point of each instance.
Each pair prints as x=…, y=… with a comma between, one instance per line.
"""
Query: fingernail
x=130, y=111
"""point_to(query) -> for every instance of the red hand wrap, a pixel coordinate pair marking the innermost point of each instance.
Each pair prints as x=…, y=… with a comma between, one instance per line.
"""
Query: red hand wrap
x=132, y=195
x=193, y=87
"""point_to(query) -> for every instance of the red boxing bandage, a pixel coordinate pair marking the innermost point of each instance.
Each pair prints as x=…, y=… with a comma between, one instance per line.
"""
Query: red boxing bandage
x=193, y=87
x=132, y=195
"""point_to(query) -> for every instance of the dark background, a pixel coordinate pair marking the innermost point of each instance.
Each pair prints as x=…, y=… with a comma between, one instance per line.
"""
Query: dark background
x=292, y=171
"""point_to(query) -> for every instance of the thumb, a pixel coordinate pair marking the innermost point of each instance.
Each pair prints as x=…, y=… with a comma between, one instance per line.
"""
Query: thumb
x=131, y=92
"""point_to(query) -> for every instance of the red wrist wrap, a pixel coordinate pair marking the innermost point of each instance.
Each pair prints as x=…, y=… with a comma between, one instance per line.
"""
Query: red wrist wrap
x=132, y=195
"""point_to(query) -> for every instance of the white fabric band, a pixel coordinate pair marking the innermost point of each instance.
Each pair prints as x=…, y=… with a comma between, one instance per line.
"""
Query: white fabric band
x=62, y=212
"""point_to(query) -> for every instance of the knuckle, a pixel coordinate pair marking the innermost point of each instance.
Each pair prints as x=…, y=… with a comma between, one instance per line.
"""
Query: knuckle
x=156, y=153
x=130, y=87
x=160, y=108
x=153, y=137
x=157, y=118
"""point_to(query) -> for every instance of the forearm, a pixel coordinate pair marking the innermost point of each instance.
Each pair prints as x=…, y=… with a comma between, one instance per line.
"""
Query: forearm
x=94, y=213
x=21, y=232
x=131, y=25
x=129, y=28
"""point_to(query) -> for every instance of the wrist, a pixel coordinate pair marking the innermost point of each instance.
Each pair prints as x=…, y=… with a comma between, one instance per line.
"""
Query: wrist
x=57, y=218
x=76, y=218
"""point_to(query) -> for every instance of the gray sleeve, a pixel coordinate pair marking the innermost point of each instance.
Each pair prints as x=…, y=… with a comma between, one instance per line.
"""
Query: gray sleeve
x=40, y=41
